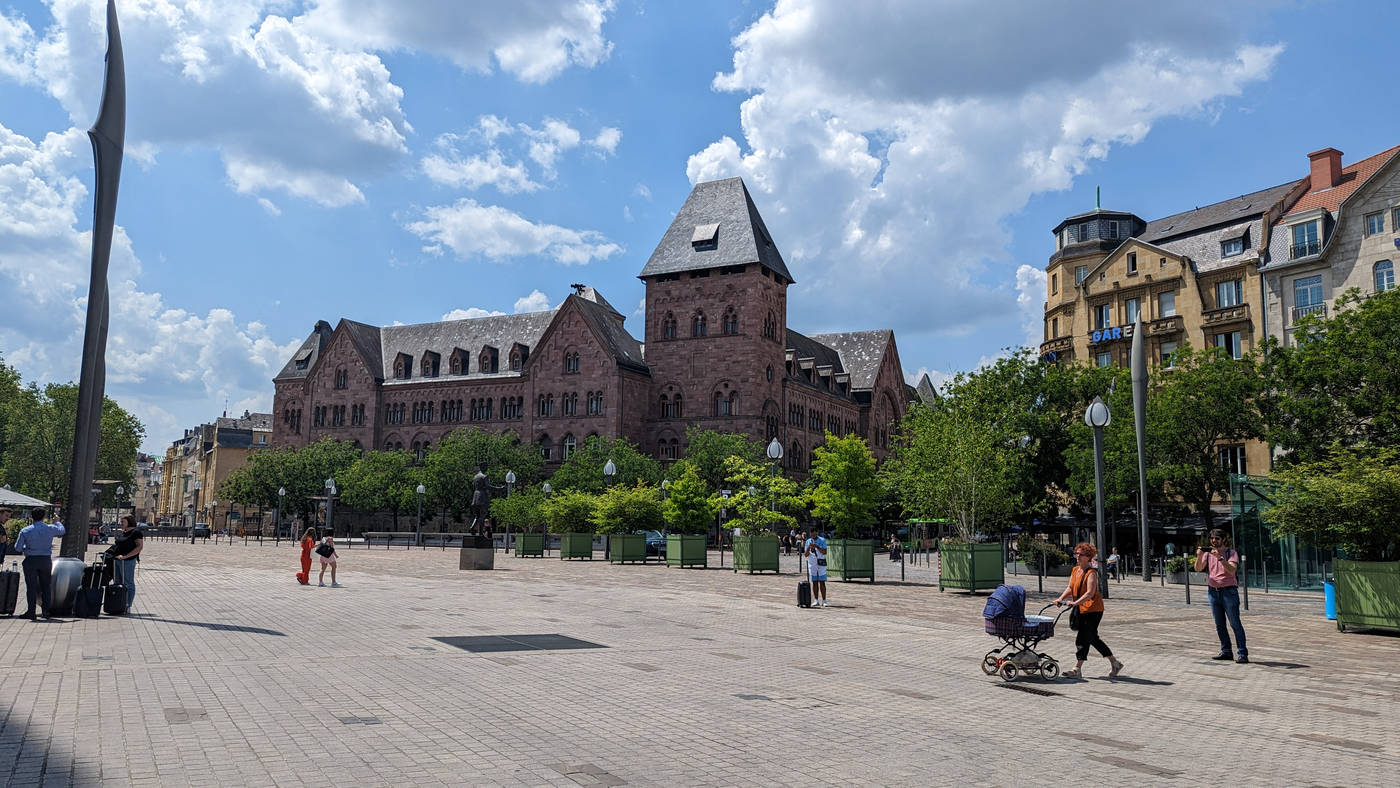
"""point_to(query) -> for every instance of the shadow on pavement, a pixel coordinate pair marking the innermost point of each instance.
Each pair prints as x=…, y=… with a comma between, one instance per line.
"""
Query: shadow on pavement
x=1133, y=680
x=1287, y=665
x=210, y=626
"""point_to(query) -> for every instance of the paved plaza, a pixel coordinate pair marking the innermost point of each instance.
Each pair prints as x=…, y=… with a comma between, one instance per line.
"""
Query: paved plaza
x=229, y=673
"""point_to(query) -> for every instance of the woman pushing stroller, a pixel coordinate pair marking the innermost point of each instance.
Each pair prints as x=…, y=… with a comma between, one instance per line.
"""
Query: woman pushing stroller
x=1083, y=592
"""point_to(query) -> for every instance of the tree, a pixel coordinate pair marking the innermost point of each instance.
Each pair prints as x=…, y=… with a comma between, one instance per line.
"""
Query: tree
x=708, y=450
x=381, y=480
x=769, y=507
x=1120, y=479
x=450, y=466
x=626, y=510
x=10, y=393
x=303, y=472
x=569, y=512
x=583, y=470
x=687, y=506
x=1348, y=499
x=39, y=444
x=1208, y=400
x=523, y=510
x=1339, y=381
x=846, y=486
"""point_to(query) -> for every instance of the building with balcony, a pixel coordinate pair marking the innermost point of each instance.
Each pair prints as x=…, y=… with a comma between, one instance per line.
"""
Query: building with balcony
x=1343, y=232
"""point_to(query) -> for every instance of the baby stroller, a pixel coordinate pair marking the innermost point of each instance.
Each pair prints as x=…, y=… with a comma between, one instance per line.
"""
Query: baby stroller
x=1005, y=617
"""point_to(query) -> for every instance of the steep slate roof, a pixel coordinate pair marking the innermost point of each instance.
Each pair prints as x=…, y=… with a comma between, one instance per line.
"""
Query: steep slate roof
x=471, y=335
x=311, y=349
x=1235, y=209
x=261, y=422
x=588, y=293
x=606, y=323
x=1097, y=212
x=927, y=393
x=1352, y=179
x=741, y=236
x=365, y=338
x=860, y=351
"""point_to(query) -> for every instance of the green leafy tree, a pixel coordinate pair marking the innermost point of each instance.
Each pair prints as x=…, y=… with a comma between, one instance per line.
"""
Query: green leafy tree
x=569, y=512
x=1339, y=380
x=522, y=510
x=846, y=485
x=708, y=451
x=11, y=391
x=39, y=445
x=583, y=470
x=450, y=466
x=1348, y=499
x=1208, y=400
x=626, y=510
x=381, y=480
x=769, y=507
x=1120, y=483
x=303, y=472
x=687, y=507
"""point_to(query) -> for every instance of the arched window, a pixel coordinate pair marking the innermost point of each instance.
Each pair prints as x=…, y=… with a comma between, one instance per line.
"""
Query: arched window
x=730, y=323
x=571, y=363
x=770, y=327
x=515, y=361
x=668, y=326
x=795, y=456
x=388, y=445
x=665, y=407
x=697, y=324
x=676, y=407
x=546, y=447
x=568, y=403
x=342, y=378
x=721, y=404
x=1385, y=276
x=398, y=368
x=569, y=445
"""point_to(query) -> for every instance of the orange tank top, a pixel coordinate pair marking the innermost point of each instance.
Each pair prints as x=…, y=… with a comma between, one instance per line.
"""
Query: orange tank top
x=1077, y=579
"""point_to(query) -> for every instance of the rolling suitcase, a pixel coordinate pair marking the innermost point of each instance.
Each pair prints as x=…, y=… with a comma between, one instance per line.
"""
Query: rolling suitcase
x=9, y=591
x=804, y=593
x=114, y=599
x=88, y=603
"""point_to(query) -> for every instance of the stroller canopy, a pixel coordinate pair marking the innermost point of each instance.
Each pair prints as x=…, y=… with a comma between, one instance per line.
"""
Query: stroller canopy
x=1006, y=601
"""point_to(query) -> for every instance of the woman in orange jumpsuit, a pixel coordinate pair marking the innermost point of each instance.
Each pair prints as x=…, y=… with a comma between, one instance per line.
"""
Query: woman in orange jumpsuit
x=308, y=541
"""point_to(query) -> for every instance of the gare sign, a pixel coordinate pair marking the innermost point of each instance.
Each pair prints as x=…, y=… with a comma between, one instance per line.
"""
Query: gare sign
x=1108, y=334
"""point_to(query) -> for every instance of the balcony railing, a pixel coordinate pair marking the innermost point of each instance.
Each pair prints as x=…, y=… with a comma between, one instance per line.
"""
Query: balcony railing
x=1300, y=312
x=1227, y=314
x=1304, y=249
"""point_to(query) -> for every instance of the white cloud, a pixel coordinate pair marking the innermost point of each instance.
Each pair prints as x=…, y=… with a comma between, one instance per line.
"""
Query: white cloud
x=495, y=233
x=606, y=141
x=450, y=168
x=534, y=302
x=269, y=206
x=626, y=213
x=920, y=148
x=548, y=142
x=1030, y=300
x=469, y=313
x=643, y=192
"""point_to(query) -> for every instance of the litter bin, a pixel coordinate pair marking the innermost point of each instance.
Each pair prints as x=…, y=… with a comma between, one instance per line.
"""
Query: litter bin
x=1329, y=597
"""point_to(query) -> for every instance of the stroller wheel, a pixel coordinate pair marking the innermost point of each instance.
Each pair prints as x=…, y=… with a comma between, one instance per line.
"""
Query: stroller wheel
x=1009, y=671
x=1049, y=669
x=989, y=663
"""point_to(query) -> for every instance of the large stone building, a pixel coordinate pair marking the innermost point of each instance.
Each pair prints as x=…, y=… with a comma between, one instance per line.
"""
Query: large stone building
x=1225, y=275
x=200, y=460
x=718, y=354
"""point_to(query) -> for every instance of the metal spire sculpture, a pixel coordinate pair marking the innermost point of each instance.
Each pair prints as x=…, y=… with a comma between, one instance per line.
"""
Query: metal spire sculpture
x=1139, y=374
x=108, y=135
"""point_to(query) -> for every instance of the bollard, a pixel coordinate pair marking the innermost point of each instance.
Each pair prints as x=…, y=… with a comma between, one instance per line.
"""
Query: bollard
x=1041, y=580
x=1244, y=570
x=1188, y=583
x=1162, y=571
x=1266, y=575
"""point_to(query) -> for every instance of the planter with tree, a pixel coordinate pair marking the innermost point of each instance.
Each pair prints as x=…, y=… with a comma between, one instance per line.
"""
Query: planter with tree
x=520, y=513
x=760, y=504
x=624, y=515
x=688, y=515
x=844, y=497
x=570, y=514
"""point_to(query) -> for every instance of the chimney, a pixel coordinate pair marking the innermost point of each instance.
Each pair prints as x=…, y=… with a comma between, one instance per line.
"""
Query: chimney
x=1326, y=168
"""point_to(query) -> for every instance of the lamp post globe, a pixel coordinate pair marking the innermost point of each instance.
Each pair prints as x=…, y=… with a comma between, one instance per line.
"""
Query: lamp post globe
x=1097, y=416
x=330, y=505
x=547, y=489
x=277, y=526
x=665, y=488
x=609, y=471
x=420, y=489
x=775, y=450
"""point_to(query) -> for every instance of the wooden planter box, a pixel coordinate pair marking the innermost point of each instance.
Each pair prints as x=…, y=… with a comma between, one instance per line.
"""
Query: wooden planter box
x=1368, y=594
x=756, y=552
x=529, y=545
x=623, y=548
x=686, y=550
x=970, y=567
x=851, y=559
x=576, y=546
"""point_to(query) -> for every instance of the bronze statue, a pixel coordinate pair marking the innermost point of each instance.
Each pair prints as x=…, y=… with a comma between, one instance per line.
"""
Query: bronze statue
x=481, y=503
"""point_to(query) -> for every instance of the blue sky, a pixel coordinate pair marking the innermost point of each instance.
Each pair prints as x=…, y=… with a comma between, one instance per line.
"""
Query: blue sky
x=406, y=161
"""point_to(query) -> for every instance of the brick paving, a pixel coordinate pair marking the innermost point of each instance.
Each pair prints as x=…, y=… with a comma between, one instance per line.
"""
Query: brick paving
x=228, y=673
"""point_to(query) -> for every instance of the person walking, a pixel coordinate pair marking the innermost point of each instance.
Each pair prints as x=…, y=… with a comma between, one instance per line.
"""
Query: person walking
x=124, y=553
x=36, y=543
x=326, y=550
x=815, y=551
x=1221, y=563
x=1083, y=593
x=308, y=541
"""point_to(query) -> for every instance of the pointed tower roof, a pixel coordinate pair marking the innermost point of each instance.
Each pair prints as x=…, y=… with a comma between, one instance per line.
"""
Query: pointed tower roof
x=927, y=393
x=717, y=226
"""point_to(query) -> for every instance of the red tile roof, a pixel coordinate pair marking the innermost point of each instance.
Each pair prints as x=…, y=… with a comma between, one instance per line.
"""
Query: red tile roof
x=1352, y=178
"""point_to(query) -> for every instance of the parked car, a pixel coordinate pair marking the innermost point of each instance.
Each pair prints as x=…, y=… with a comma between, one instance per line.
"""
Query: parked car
x=656, y=544
x=202, y=530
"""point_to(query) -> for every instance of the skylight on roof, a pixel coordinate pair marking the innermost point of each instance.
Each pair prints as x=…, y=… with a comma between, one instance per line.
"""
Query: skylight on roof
x=705, y=234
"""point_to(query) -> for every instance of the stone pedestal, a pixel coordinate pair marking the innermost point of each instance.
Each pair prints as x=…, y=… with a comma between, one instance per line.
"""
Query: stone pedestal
x=478, y=552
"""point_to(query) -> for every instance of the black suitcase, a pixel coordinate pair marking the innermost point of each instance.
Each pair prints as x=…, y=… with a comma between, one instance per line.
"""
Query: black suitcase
x=804, y=593
x=114, y=599
x=9, y=592
x=88, y=603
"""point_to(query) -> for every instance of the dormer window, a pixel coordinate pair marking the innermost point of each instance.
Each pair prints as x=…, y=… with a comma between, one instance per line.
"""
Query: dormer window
x=432, y=364
x=1232, y=247
x=489, y=361
x=705, y=237
x=303, y=359
x=515, y=361
x=403, y=366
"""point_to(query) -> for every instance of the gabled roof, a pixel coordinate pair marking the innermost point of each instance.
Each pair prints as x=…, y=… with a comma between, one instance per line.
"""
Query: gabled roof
x=365, y=338
x=860, y=352
x=1096, y=213
x=309, y=351
x=1235, y=209
x=1352, y=179
x=589, y=293
x=471, y=335
x=927, y=393
x=739, y=238
x=607, y=326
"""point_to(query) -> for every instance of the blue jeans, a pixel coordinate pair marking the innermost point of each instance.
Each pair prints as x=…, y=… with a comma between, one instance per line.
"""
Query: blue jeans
x=126, y=573
x=1225, y=603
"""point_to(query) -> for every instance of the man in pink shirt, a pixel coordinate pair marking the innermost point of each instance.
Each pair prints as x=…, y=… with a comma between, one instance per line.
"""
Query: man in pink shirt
x=1221, y=563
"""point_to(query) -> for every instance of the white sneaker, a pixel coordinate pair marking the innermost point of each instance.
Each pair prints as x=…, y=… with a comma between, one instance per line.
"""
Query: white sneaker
x=335, y=584
x=824, y=603
x=323, y=585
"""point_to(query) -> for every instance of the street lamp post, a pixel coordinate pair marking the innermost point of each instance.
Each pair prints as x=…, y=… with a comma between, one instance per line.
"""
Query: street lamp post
x=609, y=471
x=665, y=489
x=421, y=489
x=775, y=455
x=121, y=493
x=214, y=517
x=194, y=507
x=510, y=485
x=330, y=505
x=277, y=526
x=547, y=490
x=1097, y=416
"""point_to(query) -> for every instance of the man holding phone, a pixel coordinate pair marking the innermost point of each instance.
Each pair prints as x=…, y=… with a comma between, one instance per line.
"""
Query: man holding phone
x=815, y=551
x=1221, y=563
